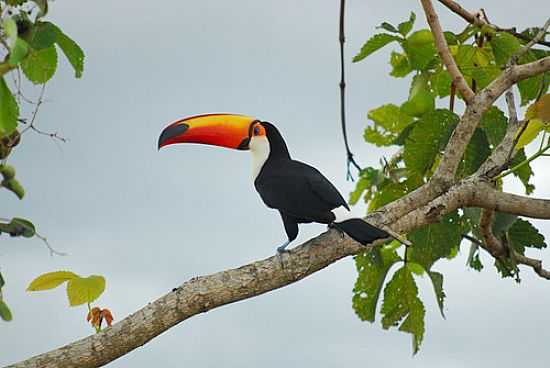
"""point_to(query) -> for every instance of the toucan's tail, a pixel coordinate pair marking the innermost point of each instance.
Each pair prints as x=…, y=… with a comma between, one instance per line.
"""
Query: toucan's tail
x=365, y=233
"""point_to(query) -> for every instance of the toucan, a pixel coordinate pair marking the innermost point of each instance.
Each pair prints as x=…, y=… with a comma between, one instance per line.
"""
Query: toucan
x=298, y=191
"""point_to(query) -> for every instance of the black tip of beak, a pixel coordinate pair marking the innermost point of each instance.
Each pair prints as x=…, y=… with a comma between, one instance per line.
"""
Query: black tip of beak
x=170, y=132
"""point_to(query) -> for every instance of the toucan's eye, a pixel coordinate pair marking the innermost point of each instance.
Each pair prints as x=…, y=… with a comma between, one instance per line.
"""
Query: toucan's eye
x=256, y=130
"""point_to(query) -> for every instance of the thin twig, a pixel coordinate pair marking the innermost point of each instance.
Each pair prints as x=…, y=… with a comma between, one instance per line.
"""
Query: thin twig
x=471, y=18
x=53, y=252
x=535, y=264
x=514, y=59
x=445, y=54
x=342, y=39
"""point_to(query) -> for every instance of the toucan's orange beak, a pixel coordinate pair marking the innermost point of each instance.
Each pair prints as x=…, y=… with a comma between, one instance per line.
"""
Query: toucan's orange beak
x=224, y=130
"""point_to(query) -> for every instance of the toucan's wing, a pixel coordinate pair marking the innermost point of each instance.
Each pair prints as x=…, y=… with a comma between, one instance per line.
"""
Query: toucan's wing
x=323, y=188
x=299, y=190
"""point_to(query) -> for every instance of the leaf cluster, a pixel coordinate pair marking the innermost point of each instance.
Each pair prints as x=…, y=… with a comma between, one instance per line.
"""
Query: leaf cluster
x=419, y=128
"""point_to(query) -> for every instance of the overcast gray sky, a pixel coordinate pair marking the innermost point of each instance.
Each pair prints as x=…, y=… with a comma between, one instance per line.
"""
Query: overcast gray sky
x=150, y=220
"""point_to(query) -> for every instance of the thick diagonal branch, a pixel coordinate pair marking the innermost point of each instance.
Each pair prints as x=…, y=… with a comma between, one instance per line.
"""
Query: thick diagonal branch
x=443, y=50
x=470, y=119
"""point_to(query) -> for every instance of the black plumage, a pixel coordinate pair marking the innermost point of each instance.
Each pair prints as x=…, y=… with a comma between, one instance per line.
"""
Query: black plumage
x=303, y=195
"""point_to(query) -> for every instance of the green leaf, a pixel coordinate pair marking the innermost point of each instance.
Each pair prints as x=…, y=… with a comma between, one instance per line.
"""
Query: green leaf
x=405, y=27
x=372, y=268
x=82, y=290
x=39, y=66
x=441, y=83
x=531, y=132
x=419, y=104
x=501, y=222
x=72, y=51
x=18, y=52
x=429, y=134
x=529, y=88
x=524, y=173
x=42, y=35
x=494, y=124
x=375, y=43
x=420, y=49
x=14, y=186
x=9, y=110
x=476, y=153
x=389, y=121
x=388, y=27
x=5, y=312
x=400, y=65
x=504, y=46
x=10, y=29
x=386, y=194
x=437, y=283
x=435, y=241
x=369, y=177
x=401, y=302
x=51, y=280
x=523, y=234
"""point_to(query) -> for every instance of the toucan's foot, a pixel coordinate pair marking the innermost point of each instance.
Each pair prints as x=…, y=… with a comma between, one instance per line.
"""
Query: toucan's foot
x=282, y=248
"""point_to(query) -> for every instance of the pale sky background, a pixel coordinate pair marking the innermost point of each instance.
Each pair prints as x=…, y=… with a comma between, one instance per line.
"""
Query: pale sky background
x=150, y=220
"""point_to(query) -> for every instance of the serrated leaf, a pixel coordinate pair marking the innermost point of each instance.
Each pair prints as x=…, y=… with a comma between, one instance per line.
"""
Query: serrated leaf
x=524, y=173
x=374, y=44
x=405, y=27
x=441, y=83
x=523, y=234
x=504, y=45
x=368, y=178
x=42, y=35
x=386, y=194
x=429, y=134
x=372, y=268
x=529, y=88
x=435, y=241
x=82, y=290
x=400, y=65
x=476, y=153
x=421, y=103
x=420, y=49
x=9, y=110
x=389, y=121
x=51, y=280
x=39, y=66
x=72, y=51
x=401, y=301
x=5, y=312
x=437, y=283
x=494, y=124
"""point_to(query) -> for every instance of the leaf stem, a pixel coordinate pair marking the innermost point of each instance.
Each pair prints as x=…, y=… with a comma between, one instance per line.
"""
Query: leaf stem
x=540, y=152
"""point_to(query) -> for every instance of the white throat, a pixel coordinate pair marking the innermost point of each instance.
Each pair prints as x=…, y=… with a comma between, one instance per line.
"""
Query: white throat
x=259, y=148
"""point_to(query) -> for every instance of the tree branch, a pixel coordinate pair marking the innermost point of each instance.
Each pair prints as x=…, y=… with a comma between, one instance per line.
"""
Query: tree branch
x=487, y=197
x=482, y=101
x=492, y=243
x=478, y=21
x=443, y=50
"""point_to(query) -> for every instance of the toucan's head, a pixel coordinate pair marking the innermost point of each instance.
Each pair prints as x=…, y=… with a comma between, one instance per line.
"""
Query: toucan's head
x=224, y=130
